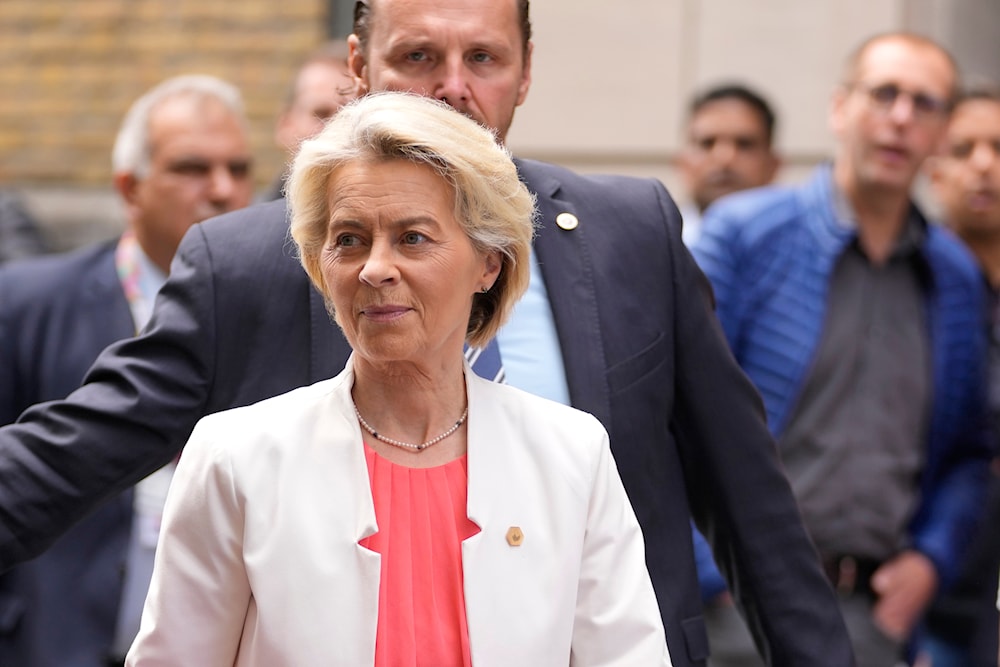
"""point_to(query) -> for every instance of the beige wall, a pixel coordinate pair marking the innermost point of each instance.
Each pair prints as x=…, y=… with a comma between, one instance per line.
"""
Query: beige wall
x=611, y=80
x=612, y=91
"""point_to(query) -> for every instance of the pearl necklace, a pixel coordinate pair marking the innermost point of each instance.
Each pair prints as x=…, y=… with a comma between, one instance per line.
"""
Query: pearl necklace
x=407, y=445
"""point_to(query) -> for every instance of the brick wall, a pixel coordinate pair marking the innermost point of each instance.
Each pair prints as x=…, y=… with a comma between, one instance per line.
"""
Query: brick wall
x=70, y=68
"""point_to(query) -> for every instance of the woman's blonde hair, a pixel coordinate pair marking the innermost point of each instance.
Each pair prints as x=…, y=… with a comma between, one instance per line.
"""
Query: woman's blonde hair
x=492, y=205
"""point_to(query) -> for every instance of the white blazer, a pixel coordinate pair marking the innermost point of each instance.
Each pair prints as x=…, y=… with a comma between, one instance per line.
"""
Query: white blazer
x=259, y=565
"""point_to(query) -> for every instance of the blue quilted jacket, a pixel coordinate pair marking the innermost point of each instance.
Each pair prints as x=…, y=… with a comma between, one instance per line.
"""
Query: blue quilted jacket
x=769, y=254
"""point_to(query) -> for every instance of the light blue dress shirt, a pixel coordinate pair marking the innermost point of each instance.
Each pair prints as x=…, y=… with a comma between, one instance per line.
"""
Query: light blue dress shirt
x=529, y=345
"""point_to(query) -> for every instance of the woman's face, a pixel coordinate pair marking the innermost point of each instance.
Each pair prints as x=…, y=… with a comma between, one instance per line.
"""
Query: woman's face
x=399, y=268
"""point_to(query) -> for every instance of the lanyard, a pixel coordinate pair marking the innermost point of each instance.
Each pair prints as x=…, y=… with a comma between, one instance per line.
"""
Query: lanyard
x=129, y=270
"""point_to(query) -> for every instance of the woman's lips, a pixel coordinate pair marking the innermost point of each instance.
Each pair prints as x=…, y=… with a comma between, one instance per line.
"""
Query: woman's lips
x=384, y=313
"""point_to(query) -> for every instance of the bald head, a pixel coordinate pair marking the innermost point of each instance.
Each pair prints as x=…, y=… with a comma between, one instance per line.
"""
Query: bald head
x=855, y=61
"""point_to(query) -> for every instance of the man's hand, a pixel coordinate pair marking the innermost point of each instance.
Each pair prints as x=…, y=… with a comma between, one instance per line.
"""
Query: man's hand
x=905, y=586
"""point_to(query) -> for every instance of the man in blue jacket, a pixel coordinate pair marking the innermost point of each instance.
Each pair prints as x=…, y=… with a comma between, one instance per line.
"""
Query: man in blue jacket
x=863, y=327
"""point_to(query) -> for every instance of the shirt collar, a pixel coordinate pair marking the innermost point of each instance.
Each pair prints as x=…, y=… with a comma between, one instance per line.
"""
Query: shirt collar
x=911, y=240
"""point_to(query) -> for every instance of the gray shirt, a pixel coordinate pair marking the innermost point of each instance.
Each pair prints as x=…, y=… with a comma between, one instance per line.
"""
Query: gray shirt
x=854, y=446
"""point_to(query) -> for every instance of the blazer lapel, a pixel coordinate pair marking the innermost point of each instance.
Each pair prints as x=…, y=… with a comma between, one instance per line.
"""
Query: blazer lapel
x=569, y=281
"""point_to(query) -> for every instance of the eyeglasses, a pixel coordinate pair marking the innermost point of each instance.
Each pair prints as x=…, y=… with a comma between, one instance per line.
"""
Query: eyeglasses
x=924, y=106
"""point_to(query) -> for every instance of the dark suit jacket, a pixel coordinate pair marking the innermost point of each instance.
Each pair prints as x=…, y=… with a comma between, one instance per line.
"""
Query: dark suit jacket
x=56, y=316
x=238, y=322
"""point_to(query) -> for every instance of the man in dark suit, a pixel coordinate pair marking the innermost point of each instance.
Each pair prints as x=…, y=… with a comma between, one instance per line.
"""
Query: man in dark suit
x=614, y=291
x=182, y=155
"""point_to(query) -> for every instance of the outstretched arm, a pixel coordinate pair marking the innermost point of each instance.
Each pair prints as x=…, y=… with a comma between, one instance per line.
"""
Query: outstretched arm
x=136, y=408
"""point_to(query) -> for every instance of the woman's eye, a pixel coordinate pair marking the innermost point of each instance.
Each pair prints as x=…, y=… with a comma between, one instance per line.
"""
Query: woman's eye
x=411, y=238
x=347, y=240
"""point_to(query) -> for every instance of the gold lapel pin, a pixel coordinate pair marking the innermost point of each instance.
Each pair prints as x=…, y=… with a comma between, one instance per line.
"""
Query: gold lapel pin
x=514, y=536
x=567, y=221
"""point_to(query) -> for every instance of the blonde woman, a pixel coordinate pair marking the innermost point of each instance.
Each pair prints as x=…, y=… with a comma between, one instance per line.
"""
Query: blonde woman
x=405, y=512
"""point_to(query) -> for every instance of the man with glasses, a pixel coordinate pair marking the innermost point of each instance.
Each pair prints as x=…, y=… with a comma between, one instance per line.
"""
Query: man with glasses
x=863, y=327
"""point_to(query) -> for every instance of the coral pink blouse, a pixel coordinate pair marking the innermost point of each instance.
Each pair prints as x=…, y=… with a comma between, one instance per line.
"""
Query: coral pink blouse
x=421, y=514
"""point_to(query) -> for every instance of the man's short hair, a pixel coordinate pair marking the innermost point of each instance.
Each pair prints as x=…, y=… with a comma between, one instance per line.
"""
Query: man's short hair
x=132, y=153
x=741, y=93
x=981, y=92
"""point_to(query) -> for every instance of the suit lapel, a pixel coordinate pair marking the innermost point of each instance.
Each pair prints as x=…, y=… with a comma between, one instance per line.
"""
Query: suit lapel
x=569, y=281
x=104, y=294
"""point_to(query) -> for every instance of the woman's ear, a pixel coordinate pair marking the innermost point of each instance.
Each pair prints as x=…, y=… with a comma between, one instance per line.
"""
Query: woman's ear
x=491, y=267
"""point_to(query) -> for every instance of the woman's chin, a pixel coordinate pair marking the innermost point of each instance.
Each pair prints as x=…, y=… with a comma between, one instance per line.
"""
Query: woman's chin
x=388, y=350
